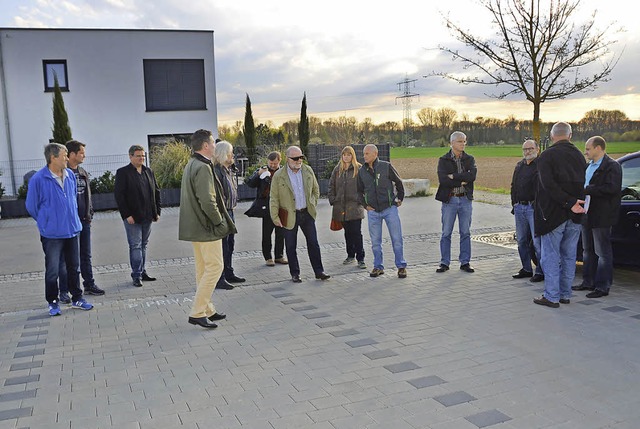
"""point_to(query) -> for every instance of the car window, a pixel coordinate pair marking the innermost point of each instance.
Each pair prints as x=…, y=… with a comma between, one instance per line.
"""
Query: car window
x=631, y=179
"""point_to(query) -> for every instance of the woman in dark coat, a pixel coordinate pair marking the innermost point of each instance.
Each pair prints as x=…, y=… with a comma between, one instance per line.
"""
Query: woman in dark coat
x=343, y=196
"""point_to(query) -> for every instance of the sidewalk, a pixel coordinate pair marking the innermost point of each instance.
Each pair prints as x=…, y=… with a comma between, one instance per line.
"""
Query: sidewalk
x=452, y=350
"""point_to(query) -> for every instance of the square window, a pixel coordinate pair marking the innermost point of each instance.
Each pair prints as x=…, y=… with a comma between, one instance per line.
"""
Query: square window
x=174, y=85
x=55, y=69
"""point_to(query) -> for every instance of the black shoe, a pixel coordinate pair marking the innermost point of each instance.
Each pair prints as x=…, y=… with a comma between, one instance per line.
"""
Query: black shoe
x=468, y=268
x=147, y=278
x=236, y=279
x=137, y=282
x=442, y=268
x=217, y=316
x=544, y=301
x=223, y=284
x=597, y=294
x=565, y=301
x=582, y=286
x=537, y=278
x=65, y=298
x=522, y=274
x=322, y=276
x=202, y=321
x=93, y=290
x=296, y=278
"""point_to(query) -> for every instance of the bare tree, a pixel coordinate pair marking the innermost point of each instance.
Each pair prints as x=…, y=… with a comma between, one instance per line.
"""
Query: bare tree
x=537, y=52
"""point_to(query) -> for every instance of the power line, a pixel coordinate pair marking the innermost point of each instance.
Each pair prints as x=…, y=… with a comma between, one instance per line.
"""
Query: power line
x=407, y=119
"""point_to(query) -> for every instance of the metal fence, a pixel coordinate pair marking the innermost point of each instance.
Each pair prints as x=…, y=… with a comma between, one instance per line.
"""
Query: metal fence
x=95, y=165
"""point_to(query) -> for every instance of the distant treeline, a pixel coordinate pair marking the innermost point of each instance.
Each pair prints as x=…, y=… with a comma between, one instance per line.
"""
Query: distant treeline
x=433, y=129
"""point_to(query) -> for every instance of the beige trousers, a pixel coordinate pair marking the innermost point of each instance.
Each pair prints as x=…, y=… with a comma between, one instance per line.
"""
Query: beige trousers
x=209, y=267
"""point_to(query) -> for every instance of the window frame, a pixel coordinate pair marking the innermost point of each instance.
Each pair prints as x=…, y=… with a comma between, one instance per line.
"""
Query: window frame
x=45, y=69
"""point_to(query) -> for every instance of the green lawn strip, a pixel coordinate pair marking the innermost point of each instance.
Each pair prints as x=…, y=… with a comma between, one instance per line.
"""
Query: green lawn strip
x=615, y=149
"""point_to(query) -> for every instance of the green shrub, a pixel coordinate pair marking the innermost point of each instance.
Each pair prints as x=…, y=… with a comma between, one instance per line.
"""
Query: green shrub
x=104, y=184
x=168, y=162
x=1, y=187
x=328, y=169
x=22, y=191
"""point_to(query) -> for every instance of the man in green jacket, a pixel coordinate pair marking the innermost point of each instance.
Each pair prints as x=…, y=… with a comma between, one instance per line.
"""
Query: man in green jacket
x=293, y=200
x=205, y=222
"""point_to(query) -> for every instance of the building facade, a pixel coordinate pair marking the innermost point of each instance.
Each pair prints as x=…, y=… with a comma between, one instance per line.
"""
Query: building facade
x=120, y=87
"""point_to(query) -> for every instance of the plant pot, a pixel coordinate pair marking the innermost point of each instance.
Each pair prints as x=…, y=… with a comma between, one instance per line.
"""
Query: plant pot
x=103, y=202
x=13, y=208
x=170, y=197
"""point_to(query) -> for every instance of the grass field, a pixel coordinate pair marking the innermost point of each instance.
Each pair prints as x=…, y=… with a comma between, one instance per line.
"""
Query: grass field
x=613, y=148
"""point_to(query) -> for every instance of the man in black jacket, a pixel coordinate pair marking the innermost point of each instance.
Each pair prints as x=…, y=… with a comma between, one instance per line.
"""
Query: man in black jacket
x=380, y=191
x=523, y=193
x=603, y=184
x=261, y=179
x=456, y=173
x=138, y=197
x=558, y=212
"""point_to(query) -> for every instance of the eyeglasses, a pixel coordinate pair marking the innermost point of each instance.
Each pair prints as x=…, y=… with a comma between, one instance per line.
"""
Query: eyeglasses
x=296, y=158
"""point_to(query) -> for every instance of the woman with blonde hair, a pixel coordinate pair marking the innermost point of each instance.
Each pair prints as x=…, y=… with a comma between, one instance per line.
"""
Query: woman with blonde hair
x=343, y=196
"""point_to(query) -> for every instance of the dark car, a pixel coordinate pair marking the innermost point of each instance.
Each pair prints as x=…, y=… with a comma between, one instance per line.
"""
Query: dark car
x=625, y=235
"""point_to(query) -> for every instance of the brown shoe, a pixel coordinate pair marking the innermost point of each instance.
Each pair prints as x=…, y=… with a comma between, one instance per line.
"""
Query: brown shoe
x=270, y=263
x=544, y=301
x=376, y=272
x=282, y=261
x=402, y=273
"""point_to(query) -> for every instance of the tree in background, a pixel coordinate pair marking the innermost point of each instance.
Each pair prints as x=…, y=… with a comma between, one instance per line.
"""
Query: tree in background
x=249, y=132
x=303, y=125
x=61, y=129
x=537, y=52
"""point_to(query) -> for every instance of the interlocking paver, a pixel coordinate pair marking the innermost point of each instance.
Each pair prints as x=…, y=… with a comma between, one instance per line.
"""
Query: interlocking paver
x=134, y=362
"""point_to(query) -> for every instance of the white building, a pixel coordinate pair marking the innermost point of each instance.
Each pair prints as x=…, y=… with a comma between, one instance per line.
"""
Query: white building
x=120, y=87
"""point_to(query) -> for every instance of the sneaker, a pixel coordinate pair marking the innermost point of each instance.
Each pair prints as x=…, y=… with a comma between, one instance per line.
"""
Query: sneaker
x=93, y=290
x=82, y=304
x=65, y=298
x=402, y=273
x=54, y=309
x=376, y=272
x=282, y=261
x=362, y=265
x=348, y=261
x=270, y=263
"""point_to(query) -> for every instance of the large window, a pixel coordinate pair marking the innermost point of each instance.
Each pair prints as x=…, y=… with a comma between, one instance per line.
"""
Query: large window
x=174, y=85
x=55, y=69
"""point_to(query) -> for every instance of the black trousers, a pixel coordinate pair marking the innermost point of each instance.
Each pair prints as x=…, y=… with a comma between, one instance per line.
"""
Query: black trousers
x=307, y=224
x=267, y=230
x=353, y=238
x=228, y=244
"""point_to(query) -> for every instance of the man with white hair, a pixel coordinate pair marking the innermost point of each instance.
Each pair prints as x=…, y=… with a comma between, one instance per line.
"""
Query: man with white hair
x=456, y=174
x=558, y=212
x=293, y=201
x=523, y=194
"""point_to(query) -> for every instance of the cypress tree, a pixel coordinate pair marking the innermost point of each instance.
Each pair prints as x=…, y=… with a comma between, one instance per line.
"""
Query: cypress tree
x=249, y=131
x=303, y=126
x=61, y=129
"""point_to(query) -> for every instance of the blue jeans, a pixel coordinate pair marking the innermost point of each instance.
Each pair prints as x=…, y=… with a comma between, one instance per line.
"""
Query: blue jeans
x=307, y=224
x=392, y=219
x=55, y=249
x=559, y=260
x=85, y=260
x=460, y=207
x=524, y=231
x=597, y=257
x=137, y=237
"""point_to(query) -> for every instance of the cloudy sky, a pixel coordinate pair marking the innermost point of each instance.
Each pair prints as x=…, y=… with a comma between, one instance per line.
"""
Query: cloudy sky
x=348, y=55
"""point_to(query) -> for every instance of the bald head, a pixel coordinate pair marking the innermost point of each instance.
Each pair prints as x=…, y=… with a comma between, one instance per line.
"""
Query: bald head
x=560, y=131
x=370, y=154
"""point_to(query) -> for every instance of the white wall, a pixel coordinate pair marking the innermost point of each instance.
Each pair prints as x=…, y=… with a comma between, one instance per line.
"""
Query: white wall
x=106, y=99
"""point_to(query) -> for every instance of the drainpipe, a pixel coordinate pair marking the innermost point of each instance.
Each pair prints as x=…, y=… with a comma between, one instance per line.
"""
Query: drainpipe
x=5, y=108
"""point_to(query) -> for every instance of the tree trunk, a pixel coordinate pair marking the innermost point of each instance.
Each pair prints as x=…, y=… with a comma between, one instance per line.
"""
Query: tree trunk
x=536, y=122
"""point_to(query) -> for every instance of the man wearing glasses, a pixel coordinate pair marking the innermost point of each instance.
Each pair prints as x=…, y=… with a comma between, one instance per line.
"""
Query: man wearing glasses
x=138, y=197
x=293, y=200
x=523, y=194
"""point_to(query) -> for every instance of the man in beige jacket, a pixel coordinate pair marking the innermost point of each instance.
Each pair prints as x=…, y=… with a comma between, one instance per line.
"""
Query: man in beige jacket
x=205, y=222
x=293, y=200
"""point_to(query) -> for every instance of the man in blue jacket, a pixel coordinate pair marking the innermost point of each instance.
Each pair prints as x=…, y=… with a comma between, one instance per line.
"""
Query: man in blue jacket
x=51, y=201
